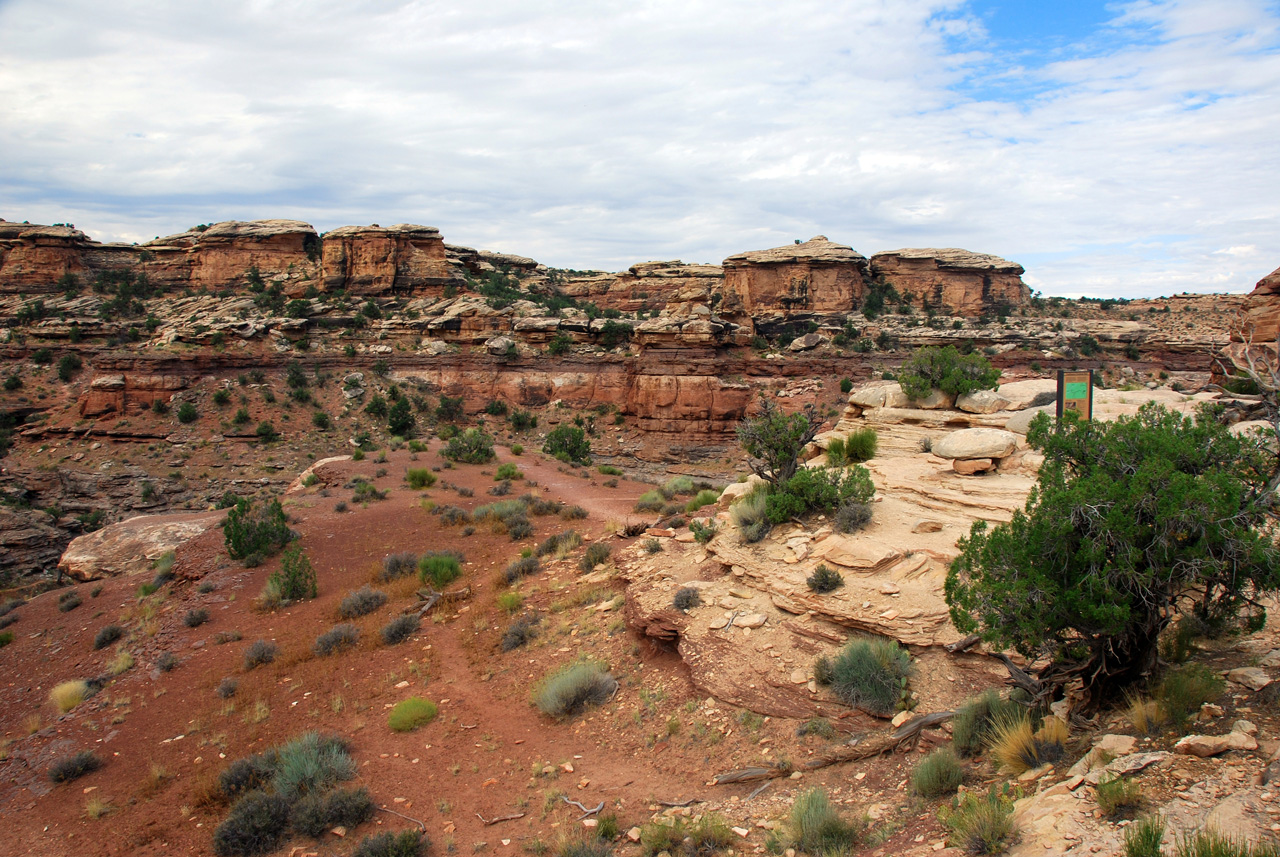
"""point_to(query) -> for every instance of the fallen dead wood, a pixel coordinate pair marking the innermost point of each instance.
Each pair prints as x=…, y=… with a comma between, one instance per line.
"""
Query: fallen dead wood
x=428, y=598
x=586, y=812
x=904, y=737
x=489, y=821
x=961, y=645
x=681, y=803
x=421, y=824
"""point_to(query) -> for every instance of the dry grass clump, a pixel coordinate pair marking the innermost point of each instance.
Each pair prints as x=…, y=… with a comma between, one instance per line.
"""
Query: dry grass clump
x=106, y=636
x=520, y=632
x=597, y=554
x=1119, y=797
x=259, y=653
x=1146, y=716
x=399, y=629
x=817, y=829
x=407, y=843
x=574, y=688
x=981, y=824
x=69, y=694
x=361, y=602
x=73, y=767
x=1018, y=747
x=195, y=618
x=939, y=773
x=339, y=638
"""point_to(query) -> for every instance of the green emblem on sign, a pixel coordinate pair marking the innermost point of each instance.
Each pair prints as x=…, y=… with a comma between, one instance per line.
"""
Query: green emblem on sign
x=1076, y=390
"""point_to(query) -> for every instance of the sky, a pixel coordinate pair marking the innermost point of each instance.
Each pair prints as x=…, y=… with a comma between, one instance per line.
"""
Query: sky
x=1121, y=149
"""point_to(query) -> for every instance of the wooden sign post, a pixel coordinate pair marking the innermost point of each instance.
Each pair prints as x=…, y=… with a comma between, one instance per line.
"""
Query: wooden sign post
x=1075, y=393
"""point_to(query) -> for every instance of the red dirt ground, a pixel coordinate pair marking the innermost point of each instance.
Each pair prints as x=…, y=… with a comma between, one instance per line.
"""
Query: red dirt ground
x=163, y=737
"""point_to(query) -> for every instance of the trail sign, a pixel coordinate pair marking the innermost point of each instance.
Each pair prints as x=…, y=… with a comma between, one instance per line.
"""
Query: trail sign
x=1075, y=393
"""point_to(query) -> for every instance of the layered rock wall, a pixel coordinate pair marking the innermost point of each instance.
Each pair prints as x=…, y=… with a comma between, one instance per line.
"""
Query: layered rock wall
x=818, y=276
x=371, y=260
x=954, y=281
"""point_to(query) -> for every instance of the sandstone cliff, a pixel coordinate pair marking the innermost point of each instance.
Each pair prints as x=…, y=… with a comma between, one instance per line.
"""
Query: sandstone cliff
x=954, y=281
x=818, y=276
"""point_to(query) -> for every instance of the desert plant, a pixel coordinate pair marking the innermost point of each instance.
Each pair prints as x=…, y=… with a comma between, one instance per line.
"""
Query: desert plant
x=1146, y=716
x=1183, y=690
x=68, y=601
x=948, y=370
x=68, y=694
x=227, y=688
x=296, y=577
x=406, y=843
x=260, y=652
x=317, y=814
x=439, y=569
x=573, y=688
x=751, y=516
x=1212, y=843
x=819, y=726
x=309, y=764
x=411, y=713
x=871, y=674
x=705, y=497
x=816, y=828
x=1119, y=797
x=519, y=633
x=774, y=440
x=471, y=447
x=597, y=553
x=507, y=471
x=257, y=824
x=419, y=478
x=1019, y=747
x=860, y=446
x=569, y=444
x=1144, y=837
x=73, y=767
x=187, y=413
x=121, y=663
x=399, y=629
x=686, y=598
x=522, y=567
x=107, y=635
x=981, y=824
x=652, y=546
x=974, y=723
x=703, y=533
x=6, y=637
x=708, y=835
x=361, y=602
x=510, y=602
x=195, y=617
x=824, y=579
x=398, y=565
x=339, y=638
x=252, y=530
x=559, y=544
x=852, y=516
x=939, y=773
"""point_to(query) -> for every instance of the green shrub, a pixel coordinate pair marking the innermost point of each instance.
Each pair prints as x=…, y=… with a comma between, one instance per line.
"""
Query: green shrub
x=69, y=365
x=339, y=638
x=948, y=370
x=813, y=491
x=471, y=447
x=296, y=579
x=981, y=824
x=939, y=773
x=6, y=637
x=871, y=674
x=257, y=824
x=568, y=443
x=817, y=829
x=419, y=478
x=363, y=601
x=400, y=419
x=609, y=470
x=248, y=530
x=187, y=413
x=107, y=635
x=819, y=726
x=705, y=497
x=974, y=723
x=861, y=445
x=311, y=763
x=751, y=516
x=399, y=629
x=507, y=471
x=703, y=533
x=439, y=569
x=824, y=580
x=597, y=553
x=68, y=601
x=411, y=713
x=559, y=544
x=650, y=501
x=836, y=456
x=614, y=333
x=1183, y=690
x=523, y=567
x=574, y=688
x=74, y=767
x=1119, y=797
x=407, y=843
x=708, y=835
x=1144, y=837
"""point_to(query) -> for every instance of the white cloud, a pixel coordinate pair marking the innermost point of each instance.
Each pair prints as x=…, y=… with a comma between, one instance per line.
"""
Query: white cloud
x=598, y=134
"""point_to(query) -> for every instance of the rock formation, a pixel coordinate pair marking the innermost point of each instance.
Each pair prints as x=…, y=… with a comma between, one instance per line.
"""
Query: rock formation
x=371, y=260
x=818, y=276
x=1259, y=319
x=953, y=281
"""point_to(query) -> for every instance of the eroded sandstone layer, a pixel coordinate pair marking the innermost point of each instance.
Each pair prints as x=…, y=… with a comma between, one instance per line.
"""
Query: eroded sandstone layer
x=954, y=281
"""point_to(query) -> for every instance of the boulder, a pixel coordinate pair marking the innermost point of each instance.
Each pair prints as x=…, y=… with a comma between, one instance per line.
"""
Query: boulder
x=808, y=342
x=976, y=443
x=936, y=400
x=500, y=345
x=1021, y=421
x=880, y=396
x=972, y=466
x=132, y=545
x=1253, y=678
x=982, y=402
x=1205, y=746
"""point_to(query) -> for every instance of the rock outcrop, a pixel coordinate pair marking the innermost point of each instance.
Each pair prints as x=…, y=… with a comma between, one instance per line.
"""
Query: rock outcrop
x=133, y=545
x=954, y=281
x=818, y=276
x=373, y=260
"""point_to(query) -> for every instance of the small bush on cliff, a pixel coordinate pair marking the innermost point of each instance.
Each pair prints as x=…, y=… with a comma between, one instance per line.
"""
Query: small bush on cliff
x=948, y=370
x=774, y=440
x=869, y=673
x=252, y=530
x=187, y=413
x=568, y=444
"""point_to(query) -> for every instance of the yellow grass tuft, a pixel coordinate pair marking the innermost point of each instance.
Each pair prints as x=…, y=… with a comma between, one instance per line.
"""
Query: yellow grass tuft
x=69, y=694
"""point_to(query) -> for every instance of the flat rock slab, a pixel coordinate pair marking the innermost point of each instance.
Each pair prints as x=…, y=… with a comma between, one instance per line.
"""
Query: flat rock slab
x=1205, y=746
x=976, y=443
x=131, y=546
x=1253, y=678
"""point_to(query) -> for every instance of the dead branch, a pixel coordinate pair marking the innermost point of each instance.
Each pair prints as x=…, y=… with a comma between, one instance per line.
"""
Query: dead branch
x=402, y=815
x=489, y=821
x=961, y=645
x=682, y=803
x=586, y=812
x=903, y=738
